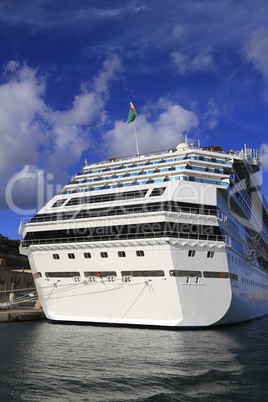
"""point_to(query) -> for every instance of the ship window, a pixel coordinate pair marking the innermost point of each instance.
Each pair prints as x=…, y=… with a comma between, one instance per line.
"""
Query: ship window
x=177, y=272
x=71, y=256
x=132, y=231
x=191, y=253
x=234, y=277
x=143, y=273
x=157, y=191
x=103, y=254
x=107, y=197
x=210, y=274
x=87, y=255
x=210, y=254
x=140, y=253
x=61, y=274
x=100, y=274
x=59, y=203
x=121, y=254
x=56, y=256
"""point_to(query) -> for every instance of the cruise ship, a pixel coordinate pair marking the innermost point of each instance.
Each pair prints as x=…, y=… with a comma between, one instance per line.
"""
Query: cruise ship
x=174, y=239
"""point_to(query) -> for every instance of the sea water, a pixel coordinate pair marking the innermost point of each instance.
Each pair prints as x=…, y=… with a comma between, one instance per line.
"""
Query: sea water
x=41, y=361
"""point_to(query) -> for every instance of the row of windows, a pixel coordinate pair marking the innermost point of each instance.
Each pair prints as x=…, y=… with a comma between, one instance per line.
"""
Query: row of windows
x=192, y=253
x=103, y=254
x=147, y=163
x=151, y=273
x=107, y=197
x=253, y=283
x=142, y=273
x=135, y=183
x=110, y=197
x=170, y=206
x=237, y=261
x=114, y=197
x=206, y=274
x=125, y=232
x=149, y=172
x=139, y=253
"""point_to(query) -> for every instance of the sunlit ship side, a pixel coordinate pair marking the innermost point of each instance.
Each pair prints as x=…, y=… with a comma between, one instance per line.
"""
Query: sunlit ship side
x=175, y=238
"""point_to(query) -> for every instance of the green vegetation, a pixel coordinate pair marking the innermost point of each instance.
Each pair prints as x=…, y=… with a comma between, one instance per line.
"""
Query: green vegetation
x=8, y=246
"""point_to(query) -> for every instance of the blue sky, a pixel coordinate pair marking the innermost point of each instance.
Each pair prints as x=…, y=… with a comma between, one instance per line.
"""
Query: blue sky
x=69, y=69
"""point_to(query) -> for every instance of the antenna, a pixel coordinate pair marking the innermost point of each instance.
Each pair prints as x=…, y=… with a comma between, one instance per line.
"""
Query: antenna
x=186, y=139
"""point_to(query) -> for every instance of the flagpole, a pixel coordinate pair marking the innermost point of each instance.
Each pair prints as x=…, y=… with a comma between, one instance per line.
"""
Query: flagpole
x=136, y=139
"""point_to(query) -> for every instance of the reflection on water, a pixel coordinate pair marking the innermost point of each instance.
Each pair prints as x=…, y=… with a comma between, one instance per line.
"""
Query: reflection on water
x=46, y=362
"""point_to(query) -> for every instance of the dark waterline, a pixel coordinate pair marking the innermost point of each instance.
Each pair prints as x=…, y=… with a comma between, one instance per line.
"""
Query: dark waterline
x=45, y=362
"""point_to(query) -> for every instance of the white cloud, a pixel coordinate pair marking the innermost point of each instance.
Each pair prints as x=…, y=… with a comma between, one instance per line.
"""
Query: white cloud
x=256, y=50
x=110, y=69
x=202, y=61
x=264, y=156
x=167, y=131
x=180, y=60
x=212, y=114
x=21, y=108
x=32, y=134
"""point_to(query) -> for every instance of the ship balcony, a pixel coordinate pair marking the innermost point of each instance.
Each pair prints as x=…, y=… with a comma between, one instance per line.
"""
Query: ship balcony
x=182, y=239
x=23, y=222
x=121, y=212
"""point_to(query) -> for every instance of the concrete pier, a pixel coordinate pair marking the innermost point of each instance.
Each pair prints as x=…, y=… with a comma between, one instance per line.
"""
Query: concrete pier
x=22, y=314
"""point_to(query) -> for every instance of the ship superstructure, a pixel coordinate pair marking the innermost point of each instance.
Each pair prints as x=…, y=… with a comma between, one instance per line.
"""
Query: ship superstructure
x=175, y=238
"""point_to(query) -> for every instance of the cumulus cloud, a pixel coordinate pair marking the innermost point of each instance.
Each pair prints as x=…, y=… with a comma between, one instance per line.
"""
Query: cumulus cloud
x=167, y=131
x=33, y=136
x=21, y=111
x=256, y=50
x=202, y=61
x=212, y=114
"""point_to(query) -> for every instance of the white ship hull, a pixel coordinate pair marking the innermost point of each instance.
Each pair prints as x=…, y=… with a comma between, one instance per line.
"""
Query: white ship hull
x=151, y=301
x=187, y=264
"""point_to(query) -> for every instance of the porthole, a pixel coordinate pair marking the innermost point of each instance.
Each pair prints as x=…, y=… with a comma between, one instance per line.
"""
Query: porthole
x=71, y=256
x=191, y=253
x=87, y=255
x=210, y=254
x=121, y=254
x=56, y=256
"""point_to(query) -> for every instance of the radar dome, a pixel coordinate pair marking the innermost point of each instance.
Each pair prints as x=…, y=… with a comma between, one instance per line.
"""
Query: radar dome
x=183, y=145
